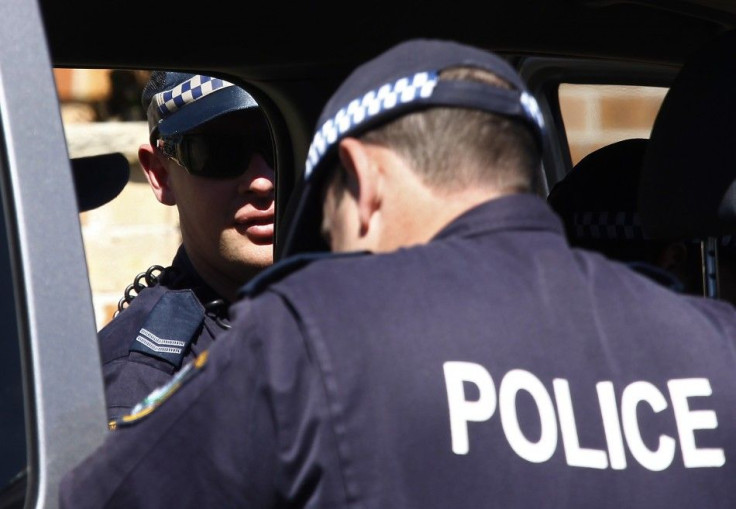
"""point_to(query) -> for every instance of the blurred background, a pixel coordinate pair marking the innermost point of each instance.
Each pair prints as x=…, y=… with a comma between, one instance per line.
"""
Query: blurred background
x=101, y=112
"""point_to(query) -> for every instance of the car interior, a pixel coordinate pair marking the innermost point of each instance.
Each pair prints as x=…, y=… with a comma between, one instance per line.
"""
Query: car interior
x=291, y=57
x=639, y=42
x=686, y=188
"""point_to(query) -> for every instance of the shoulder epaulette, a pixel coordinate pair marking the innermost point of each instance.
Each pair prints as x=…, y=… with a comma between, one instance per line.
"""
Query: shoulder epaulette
x=284, y=267
x=170, y=327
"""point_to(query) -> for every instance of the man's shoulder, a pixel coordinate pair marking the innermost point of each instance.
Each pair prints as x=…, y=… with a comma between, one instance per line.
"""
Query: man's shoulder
x=151, y=310
x=288, y=266
x=135, y=311
x=716, y=309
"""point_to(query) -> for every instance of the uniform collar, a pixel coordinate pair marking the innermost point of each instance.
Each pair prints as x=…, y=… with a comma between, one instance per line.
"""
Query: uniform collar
x=523, y=211
x=191, y=278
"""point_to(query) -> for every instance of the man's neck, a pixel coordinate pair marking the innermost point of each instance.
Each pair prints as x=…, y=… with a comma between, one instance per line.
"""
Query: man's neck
x=418, y=216
x=224, y=284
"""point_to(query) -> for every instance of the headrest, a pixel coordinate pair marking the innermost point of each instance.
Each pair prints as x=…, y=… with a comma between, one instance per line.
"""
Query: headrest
x=597, y=199
x=687, y=183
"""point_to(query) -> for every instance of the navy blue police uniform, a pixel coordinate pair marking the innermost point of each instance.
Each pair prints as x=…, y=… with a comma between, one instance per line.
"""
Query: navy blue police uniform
x=164, y=326
x=493, y=366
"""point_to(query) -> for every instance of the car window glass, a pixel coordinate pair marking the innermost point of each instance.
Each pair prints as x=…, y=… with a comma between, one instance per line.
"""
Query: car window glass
x=598, y=115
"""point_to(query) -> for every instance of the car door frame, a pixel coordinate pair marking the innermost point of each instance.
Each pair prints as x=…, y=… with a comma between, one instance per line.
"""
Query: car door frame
x=59, y=358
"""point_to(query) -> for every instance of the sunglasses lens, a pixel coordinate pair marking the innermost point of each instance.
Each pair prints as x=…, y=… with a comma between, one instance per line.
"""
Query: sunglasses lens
x=222, y=155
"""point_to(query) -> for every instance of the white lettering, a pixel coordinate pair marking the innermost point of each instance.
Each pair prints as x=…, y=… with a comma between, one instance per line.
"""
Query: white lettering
x=611, y=425
x=463, y=411
x=619, y=432
x=515, y=381
x=690, y=420
x=576, y=456
x=634, y=394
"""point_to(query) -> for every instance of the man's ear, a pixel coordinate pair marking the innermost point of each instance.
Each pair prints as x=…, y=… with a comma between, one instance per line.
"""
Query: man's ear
x=157, y=174
x=363, y=178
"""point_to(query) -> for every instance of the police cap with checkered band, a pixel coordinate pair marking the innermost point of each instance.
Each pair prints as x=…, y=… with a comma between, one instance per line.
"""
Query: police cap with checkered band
x=401, y=80
x=178, y=102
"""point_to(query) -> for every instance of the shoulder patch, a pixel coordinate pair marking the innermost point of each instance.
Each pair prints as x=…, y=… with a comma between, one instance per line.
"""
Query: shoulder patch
x=161, y=394
x=170, y=327
x=283, y=268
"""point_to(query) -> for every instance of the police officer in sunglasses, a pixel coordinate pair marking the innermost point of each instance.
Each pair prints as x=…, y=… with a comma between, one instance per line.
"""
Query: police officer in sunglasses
x=210, y=155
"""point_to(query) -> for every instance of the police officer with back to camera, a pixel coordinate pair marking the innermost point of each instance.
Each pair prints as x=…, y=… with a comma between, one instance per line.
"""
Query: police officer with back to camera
x=454, y=352
x=210, y=155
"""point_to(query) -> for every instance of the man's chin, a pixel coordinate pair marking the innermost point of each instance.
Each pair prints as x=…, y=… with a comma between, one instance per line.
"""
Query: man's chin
x=258, y=256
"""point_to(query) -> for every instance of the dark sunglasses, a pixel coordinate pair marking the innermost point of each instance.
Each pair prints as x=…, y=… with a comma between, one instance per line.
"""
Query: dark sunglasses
x=216, y=155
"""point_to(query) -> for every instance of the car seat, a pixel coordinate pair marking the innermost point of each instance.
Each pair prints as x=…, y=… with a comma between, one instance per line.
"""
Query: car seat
x=689, y=169
x=597, y=202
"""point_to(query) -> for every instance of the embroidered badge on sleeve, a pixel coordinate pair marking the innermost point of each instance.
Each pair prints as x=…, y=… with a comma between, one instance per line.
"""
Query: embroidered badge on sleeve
x=161, y=394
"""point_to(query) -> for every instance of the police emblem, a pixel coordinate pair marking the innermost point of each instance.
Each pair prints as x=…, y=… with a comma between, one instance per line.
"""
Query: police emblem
x=161, y=394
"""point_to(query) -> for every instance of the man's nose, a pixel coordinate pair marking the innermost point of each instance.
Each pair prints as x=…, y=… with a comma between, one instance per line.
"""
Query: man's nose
x=259, y=178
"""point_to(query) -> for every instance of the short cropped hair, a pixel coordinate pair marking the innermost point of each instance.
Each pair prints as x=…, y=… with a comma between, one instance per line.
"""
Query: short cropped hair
x=453, y=148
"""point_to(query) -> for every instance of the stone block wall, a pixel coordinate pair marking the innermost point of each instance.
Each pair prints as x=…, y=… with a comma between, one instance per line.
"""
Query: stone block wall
x=596, y=116
x=132, y=232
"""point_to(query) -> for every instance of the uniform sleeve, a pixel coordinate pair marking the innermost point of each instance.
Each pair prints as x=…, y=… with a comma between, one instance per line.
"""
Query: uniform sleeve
x=222, y=433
